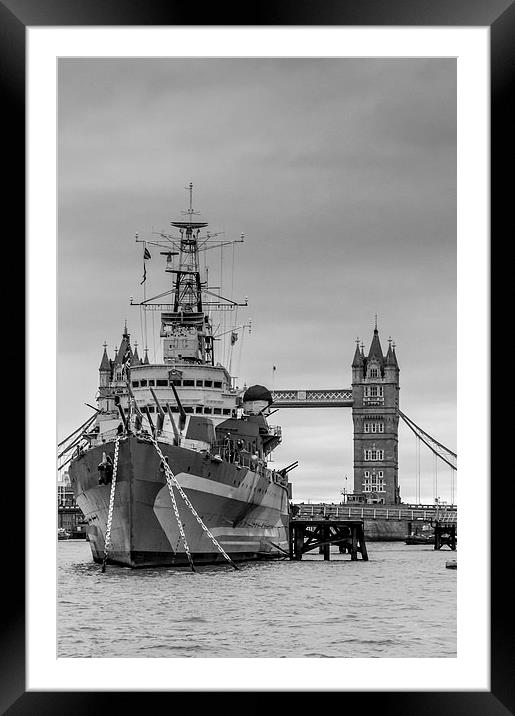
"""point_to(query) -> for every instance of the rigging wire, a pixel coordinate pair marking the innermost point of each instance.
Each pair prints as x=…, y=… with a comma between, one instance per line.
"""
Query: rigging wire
x=145, y=343
x=233, y=320
x=154, y=336
x=224, y=317
x=141, y=326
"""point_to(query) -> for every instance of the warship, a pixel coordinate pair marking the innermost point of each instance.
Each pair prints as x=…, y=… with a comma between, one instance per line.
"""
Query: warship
x=173, y=467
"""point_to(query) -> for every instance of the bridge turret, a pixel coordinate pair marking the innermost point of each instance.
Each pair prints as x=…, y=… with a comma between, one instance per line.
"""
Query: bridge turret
x=375, y=393
x=391, y=367
x=357, y=363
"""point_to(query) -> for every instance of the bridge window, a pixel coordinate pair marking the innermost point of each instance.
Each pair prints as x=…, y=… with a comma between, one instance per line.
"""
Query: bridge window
x=143, y=383
x=188, y=382
x=373, y=482
x=208, y=384
x=161, y=382
x=374, y=454
x=135, y=383
x=199, y=383
x=152, y=383
x=373, y=391
x=217, y=384
x=374, y=427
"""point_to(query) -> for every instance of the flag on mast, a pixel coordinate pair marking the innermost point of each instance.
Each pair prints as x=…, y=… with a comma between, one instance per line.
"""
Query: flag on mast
x=234, y=338
x=146, y=255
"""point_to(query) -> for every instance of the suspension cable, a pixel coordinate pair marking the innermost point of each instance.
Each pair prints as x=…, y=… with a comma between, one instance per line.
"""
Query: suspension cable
x=429, y=440
x=418, y=470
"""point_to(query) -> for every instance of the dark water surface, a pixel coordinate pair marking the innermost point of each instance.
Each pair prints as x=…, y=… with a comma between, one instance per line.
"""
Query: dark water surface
x=402, y=603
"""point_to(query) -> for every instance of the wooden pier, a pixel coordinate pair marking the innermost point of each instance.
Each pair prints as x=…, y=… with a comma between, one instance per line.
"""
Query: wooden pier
x=309, y=534
x=445, y=534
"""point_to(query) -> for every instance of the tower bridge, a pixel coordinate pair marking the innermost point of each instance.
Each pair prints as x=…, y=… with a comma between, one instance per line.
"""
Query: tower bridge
x=374, y=400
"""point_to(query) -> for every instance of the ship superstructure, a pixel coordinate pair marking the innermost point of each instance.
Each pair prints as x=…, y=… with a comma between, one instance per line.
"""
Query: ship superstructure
x=179, y=431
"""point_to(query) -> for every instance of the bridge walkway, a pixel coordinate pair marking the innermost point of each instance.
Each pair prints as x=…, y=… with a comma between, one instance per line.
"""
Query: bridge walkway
x=407, y=513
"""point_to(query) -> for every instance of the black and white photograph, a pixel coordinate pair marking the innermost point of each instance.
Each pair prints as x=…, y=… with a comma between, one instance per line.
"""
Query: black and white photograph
x=258, y=253
x=257, y=357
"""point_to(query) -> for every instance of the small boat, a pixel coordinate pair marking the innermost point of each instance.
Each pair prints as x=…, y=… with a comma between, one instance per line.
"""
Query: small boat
x=452, y=564
x=420, y=539
x=62, y=533
x=421, y=535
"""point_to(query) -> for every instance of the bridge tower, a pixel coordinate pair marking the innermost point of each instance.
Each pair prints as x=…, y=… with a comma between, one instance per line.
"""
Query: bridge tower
x=375, y=395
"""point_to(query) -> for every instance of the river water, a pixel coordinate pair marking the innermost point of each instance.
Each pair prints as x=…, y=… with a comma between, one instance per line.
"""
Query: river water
x=401, y=603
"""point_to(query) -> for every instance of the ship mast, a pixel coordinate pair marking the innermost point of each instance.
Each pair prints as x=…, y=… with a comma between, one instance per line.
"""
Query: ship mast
x=185, y=328
x=188, y=287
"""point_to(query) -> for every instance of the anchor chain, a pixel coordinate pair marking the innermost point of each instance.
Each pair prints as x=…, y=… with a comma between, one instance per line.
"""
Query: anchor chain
x=170, y=477
x=177, y=516
x=111, y=504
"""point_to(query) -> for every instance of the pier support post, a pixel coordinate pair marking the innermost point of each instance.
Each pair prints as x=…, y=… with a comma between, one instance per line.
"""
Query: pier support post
x=362, y=544
x=452, y=538
x=299, y=541
x=354, y=543
x=327, y=545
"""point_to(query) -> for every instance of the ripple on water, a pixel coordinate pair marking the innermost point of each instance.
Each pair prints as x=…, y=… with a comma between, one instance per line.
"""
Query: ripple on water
x=401, y=603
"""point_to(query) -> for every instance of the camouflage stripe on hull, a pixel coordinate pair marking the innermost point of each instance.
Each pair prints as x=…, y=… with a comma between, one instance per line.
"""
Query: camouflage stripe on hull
x=246, y=513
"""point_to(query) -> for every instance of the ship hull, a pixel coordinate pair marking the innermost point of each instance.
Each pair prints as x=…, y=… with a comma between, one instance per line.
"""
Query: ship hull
x=245, y=511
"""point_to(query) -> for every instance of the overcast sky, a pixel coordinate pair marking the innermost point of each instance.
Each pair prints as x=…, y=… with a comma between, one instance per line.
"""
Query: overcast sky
x=342, y=175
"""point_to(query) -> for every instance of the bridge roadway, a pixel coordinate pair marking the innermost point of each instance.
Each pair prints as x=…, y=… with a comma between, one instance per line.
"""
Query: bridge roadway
x=402, y=513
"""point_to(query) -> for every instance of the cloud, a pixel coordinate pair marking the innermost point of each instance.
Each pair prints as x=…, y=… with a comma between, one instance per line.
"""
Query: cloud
x=341, y=173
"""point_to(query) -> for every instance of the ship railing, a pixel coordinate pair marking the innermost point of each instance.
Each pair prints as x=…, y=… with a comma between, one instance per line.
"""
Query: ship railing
x=105, y=437
x=243, y=458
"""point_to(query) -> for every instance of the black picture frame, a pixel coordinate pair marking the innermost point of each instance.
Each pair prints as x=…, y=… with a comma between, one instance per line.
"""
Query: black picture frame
x=499, y=16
